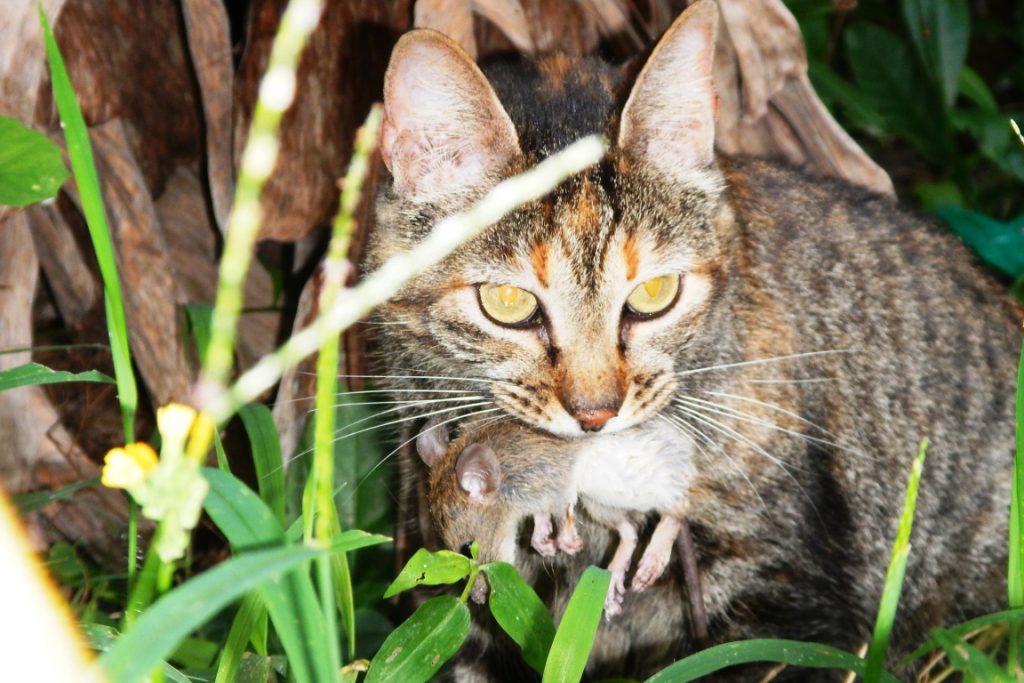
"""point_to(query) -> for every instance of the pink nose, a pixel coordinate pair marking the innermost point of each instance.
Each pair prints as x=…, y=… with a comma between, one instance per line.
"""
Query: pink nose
x=591, y=420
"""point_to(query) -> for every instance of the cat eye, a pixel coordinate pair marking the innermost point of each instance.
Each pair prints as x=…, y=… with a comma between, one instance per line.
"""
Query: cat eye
x=653, y=296
x=507, y=304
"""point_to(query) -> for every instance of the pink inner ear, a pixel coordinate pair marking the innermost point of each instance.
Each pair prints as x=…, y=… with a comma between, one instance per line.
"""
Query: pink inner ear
x=479, y=473
x=444, y=130
x=668, y=120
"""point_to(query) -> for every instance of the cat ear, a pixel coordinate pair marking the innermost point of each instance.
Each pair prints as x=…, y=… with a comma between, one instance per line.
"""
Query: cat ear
x=432, y=441
x=669, y=119
x=479, y=473
x=444, y=130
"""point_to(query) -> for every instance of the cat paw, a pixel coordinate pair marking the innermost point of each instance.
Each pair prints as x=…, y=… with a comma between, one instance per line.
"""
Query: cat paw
x=650, y=569
x=616, y=594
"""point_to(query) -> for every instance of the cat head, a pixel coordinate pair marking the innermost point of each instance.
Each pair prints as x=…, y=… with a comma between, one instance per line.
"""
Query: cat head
x=575, y=309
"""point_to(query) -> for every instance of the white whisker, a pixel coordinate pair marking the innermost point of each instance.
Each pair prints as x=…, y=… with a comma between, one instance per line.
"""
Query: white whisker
x=773, y=359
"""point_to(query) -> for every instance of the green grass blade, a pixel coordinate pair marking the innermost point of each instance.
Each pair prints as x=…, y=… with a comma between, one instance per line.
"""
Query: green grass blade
x=30, y=502
x=170, y=619
x=242, y=627
x=415, y=650
x=1015, y=570
x=34, y=373
x=790, y=652
x=222, y=456
x=520, y=613
x=1011, y=617
x=894, y=575
x=31, y=167
x=200, y=323
x=266, y=454
x=969, y=659
x=575, y=635
x=84, y=168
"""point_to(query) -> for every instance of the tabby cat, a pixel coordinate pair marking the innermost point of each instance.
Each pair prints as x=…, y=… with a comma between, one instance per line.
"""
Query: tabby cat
x=802, y=336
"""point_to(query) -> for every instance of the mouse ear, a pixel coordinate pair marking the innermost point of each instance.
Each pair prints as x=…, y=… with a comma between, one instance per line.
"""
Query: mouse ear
x=432, y=442
x=479, y=473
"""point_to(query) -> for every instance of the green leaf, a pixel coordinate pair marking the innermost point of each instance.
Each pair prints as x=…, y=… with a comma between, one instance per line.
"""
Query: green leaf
x=973, y=88
x=425, y=568
x=969, y=659
x=419, y=646
x=239, y=513
x=1000, y=244
x=520, y=613
x=170, y=619
x=31, y=167
x=34, y=373
x=893, y=83
x=245, y=622
x=996, y=139
x=895, y=574
x=200, y=324
x=84, y=167
x=1013, y=616
x=30, y=502
x=575, y=636
x=857, y=106
x=938, y=194
x=940, y=30
x=791, y=652
x=266, y=455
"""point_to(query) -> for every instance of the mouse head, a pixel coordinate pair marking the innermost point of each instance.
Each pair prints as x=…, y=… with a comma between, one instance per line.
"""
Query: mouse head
x=465, y=493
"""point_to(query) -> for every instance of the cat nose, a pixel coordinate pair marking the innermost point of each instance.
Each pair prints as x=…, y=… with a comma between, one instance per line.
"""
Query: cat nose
x=591, y=420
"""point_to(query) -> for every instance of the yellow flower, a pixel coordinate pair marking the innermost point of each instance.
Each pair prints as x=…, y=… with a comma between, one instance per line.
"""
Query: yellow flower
x=124, y=468
x=174, y=421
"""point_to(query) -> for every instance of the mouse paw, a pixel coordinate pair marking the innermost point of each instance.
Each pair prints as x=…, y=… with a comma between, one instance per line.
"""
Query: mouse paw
x=649, y=570
x=616, y=594
x=569, y=542
x=541, y=539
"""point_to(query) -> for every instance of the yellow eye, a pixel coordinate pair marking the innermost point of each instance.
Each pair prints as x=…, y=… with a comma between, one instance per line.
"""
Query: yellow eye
x=654, y=295
x=507, y=304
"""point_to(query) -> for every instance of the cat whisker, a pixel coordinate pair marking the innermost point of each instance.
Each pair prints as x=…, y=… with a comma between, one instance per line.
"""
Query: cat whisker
x=727, y=411
x=680, y=423
x=412, y=402
x=759, y=361
x=339, y=437
x=381, y=392
x=411, y=439
x=807, y=380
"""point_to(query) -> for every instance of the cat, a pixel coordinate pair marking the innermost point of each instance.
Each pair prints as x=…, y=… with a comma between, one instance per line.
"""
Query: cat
x=801, y=334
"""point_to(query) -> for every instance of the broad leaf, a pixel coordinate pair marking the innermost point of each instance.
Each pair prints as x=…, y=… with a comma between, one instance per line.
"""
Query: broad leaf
x=520, y=613
x=425, y=568
x=575, y=636
x=419, y=646
x=885, y=70
x=1000, y=244
x=940, y=30
x=31, y=167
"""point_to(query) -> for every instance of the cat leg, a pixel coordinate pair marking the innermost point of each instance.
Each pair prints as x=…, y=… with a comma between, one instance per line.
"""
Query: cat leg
x=619, y=566
x=569, y=541
x=659, y=550
x=541, y=539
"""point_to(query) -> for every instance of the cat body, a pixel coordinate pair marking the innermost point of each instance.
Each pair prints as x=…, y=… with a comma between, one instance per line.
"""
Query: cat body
x=491, y=478
x=815, y=333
